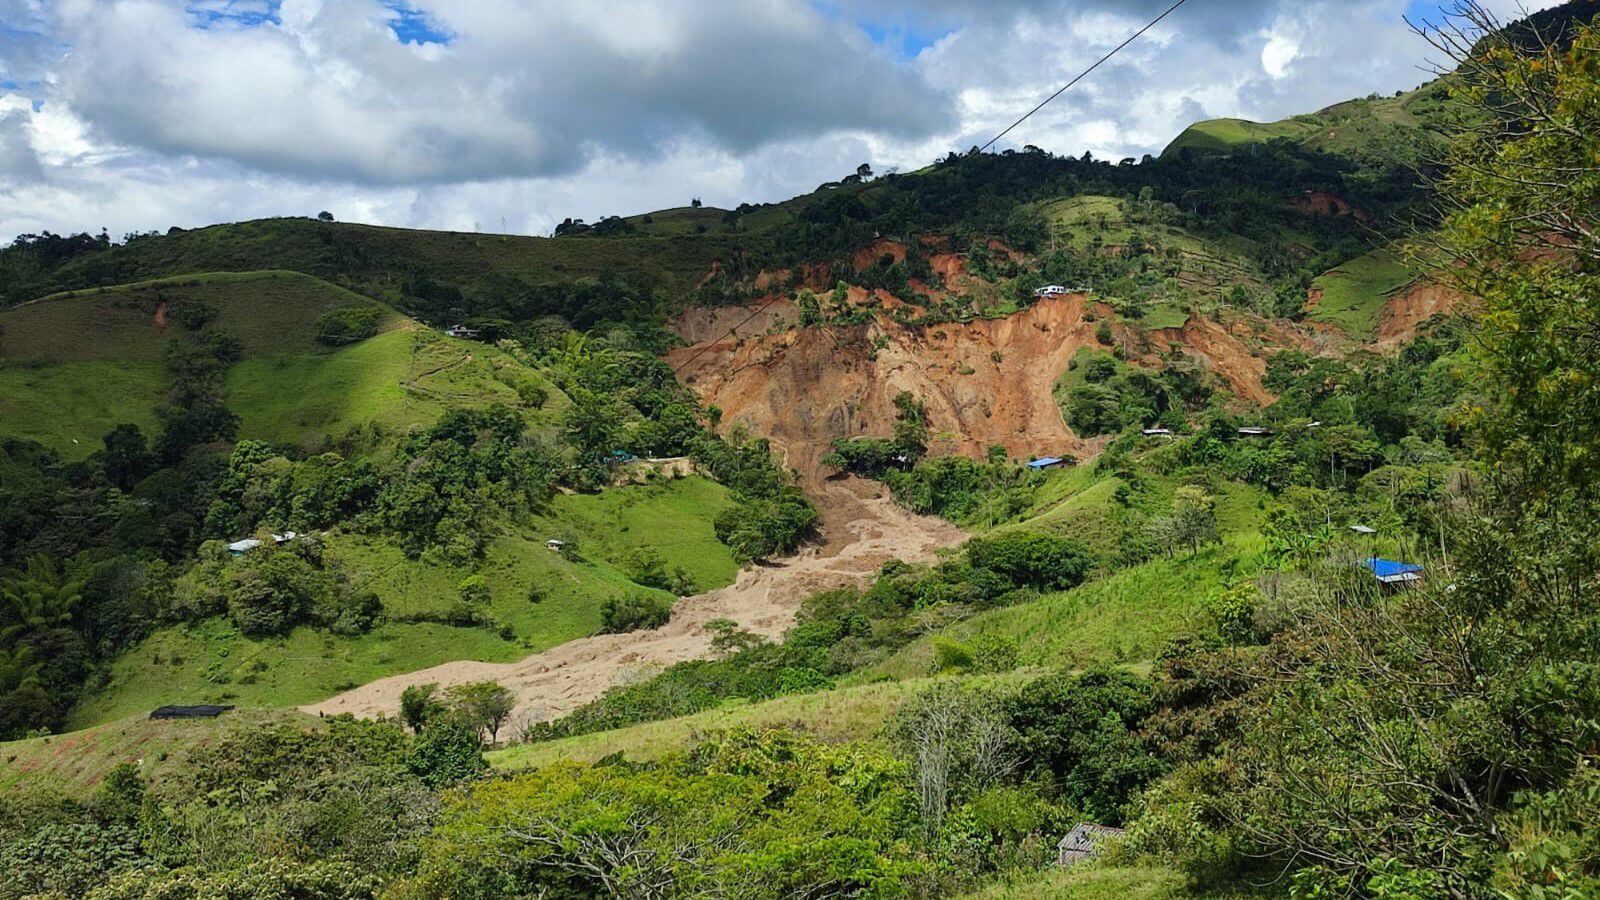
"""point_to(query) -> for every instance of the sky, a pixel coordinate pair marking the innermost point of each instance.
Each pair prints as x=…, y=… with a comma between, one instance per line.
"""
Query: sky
x=510, y=115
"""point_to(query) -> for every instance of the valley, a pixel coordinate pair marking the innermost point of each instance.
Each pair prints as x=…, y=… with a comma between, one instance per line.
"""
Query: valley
x=1216, y=524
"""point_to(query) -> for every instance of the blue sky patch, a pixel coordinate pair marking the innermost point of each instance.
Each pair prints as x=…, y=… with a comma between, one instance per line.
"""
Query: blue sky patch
x=233, y=13
x=900, y=34
x=416, y=26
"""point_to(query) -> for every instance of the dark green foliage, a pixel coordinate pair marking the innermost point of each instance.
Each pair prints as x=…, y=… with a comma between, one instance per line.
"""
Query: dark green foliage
x=1032, y=559
x=634, y=612
x=419, y=703
x=1082, y=732
x=446, y=752
x=347, y=325
x=964, y=490
x=746, y=815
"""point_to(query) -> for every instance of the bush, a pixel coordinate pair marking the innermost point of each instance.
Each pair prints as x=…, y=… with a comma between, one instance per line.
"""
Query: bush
x=1031, y=558
x=346, y=325
x=633, y=613
x=446, y=752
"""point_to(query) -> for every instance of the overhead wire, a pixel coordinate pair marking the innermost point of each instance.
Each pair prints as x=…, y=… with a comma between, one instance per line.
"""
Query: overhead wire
x=734, y=330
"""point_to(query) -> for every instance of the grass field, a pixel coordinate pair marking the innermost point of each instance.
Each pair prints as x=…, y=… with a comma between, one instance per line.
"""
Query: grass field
x=854, y=713
x=1096, y=881
x=1124, y=617
x=1225, y=134
x=76, y=763
x=74, y=365
x=672, y=518
x=69, y=407
x=1354, y=293
x=210, y=662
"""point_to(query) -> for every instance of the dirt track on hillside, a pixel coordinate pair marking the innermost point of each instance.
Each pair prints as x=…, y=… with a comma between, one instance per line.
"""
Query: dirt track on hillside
x=863, y=529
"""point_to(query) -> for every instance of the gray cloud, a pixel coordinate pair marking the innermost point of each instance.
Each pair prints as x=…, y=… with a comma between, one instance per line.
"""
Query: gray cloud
x=538, y=111
x=524, y=90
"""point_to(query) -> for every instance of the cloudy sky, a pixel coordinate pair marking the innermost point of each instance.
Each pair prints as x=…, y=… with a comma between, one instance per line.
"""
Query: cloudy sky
x=509, y=115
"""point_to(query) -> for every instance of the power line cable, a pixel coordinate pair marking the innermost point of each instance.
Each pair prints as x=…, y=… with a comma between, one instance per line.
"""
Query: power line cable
x=1081, y=75
x=734, y=331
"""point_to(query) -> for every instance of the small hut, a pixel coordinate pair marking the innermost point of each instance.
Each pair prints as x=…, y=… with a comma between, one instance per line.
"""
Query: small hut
x=1082, y=842
x=1047, y=462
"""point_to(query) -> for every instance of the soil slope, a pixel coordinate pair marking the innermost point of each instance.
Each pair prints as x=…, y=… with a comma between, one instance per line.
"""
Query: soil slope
x=985, y=382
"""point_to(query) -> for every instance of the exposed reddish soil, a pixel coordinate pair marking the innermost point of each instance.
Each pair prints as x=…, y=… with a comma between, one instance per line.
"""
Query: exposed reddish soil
x=159, y=318
x=868, y=256
x=1322, y=203
x=699, y=324
x=986, y=382
x=1409, y=307
x=1228, y=350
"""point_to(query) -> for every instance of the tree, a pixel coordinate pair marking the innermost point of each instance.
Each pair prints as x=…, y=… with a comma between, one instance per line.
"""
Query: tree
x=126, y=457
x=325, y=216
x=419, y=704
x=1194, y=518
x=864, y=171
x=446, y=752
x=482, y=705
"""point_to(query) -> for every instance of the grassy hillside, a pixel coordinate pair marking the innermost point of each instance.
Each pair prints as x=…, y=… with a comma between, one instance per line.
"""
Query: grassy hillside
x=1352, y=295
x=76, y=763
x=1402, y=130
x=376, y=255
x=74, y=365
x=210, y=661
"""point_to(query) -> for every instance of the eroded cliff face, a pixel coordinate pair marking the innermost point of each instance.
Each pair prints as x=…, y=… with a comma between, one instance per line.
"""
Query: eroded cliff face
x=985, y=382
x=1412, y=305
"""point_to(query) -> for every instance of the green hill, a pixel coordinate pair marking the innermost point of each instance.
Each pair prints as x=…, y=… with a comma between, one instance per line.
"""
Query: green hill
x=74, y=365
x=1398, y=131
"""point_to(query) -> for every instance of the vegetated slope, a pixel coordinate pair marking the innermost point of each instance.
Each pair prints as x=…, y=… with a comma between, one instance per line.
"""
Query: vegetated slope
x=381, y=259
x=1402, y=130
x=75, y=365
x=538, y=598
x=865, y=529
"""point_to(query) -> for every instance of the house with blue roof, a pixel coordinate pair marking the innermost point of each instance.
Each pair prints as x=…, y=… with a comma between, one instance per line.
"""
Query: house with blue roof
x=1391, y=573
x=1046, y=462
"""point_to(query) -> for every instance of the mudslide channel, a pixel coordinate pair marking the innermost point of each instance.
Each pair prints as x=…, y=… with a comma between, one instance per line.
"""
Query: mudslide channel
x=862, y=529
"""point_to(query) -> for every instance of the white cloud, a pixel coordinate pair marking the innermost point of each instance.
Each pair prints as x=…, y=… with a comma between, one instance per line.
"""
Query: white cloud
x=537, y=111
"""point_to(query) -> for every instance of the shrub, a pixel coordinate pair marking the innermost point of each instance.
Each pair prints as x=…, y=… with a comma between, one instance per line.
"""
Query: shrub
x=347, y=325
x=1031, y=558
x=634, y=612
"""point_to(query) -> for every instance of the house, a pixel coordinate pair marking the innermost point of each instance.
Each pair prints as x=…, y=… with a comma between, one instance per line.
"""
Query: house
x=1082, y=842
x=1391, y=573
x=240, y=548
x=1050, y=290
x=1255, y=431
x=619, y=457
x=204, y=711
x=1158, y=432
x=462, y=331
x=1363, y=529
x=1047, y=462
x=555, y=545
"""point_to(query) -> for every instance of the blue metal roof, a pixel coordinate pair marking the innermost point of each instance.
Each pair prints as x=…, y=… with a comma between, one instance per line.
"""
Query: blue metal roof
x=1045, y=463
x=1388, y=568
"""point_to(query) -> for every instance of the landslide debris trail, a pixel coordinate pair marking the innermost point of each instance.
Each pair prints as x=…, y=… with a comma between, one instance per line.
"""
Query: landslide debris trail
x=862, y=529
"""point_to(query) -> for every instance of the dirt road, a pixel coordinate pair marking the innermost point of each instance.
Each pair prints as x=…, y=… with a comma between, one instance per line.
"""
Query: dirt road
x=862, y=529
